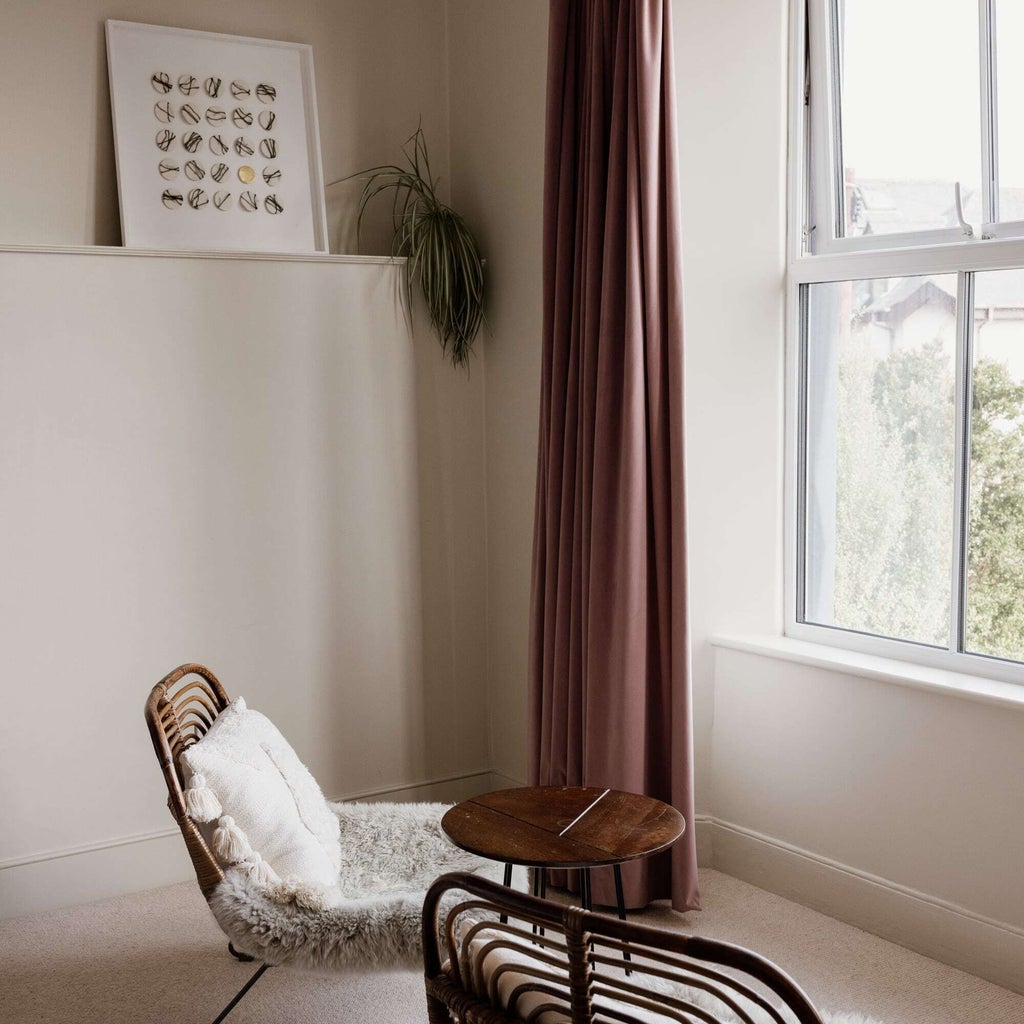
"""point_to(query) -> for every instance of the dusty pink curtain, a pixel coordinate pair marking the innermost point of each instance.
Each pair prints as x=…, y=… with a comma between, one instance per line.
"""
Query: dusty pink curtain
x=609, y=664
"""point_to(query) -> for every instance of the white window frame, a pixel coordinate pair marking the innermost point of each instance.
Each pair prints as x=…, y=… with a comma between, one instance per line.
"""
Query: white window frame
x=994, y=247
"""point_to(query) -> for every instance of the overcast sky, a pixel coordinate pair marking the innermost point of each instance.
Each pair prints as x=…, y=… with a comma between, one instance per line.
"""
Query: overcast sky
x=911, y=90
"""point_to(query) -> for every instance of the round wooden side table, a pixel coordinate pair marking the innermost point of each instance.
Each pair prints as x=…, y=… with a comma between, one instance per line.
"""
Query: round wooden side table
x=548, y=827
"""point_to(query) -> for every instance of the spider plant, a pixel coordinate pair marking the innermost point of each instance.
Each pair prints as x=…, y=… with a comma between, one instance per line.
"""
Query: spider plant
x=442, y=252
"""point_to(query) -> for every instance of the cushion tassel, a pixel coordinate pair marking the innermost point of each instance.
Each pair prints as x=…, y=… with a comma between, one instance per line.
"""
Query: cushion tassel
x=230, y=843
x=201, y=802
x=258, y=870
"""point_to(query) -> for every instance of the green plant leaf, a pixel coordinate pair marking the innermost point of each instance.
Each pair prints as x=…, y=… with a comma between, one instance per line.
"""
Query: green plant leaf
x=441, y=252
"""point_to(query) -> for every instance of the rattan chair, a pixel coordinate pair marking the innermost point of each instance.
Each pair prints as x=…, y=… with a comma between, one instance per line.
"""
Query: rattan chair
x=503, y=957
x=179, y=712
x=362, y=928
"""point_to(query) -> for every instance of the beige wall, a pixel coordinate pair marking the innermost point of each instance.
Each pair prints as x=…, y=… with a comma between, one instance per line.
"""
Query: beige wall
x=271, y=477
x=247, y=463
x=730, y=82
x=498, y=55
x=380, y=67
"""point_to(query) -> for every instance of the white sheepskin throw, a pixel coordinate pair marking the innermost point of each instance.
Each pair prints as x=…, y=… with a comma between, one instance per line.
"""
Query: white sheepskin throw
x=390, y=855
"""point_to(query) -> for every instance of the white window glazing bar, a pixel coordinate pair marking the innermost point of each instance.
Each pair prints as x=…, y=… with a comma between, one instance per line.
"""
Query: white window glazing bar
x=835, y=37
x=989, y=114
x=963, y=363
x=800, y=595
x=998, y=254
x=821, y=231
x=800, y=182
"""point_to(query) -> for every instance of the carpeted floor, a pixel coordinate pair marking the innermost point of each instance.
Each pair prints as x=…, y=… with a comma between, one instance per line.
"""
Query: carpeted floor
x=159, y=957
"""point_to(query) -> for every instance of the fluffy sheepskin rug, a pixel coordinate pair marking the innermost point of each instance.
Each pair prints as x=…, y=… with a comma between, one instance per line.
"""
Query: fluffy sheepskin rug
x=390, y=855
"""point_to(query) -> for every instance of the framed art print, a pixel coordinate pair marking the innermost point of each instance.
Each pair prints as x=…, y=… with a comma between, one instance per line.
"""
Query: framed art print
x=216, y=141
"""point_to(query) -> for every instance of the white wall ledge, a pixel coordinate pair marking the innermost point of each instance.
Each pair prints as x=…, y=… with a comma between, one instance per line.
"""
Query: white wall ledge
x=201, y=254
x=870, y=666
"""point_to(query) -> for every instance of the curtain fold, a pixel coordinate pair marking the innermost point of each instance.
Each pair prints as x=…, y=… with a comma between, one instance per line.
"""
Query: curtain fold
x=609, y=657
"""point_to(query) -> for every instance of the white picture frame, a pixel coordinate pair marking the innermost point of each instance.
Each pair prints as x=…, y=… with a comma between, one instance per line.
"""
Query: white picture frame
x=200, y=116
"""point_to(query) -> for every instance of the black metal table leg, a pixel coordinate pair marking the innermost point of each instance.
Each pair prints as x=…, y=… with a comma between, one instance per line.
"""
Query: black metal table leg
x=586, y=897
x=503, y=918
x=620, y=900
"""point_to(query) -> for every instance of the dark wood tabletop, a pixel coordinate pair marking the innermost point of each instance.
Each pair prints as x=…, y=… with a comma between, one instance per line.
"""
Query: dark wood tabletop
x=563, y=826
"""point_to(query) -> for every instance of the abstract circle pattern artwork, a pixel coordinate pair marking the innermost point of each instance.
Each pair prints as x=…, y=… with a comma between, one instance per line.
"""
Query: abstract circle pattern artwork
x=193, y=113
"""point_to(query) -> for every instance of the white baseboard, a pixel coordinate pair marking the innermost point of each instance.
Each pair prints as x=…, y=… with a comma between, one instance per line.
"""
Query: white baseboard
x=500, y=781
x=63, y=878
x=127, y=864
x=703, y=825
x=450, y=789
x=954, y=935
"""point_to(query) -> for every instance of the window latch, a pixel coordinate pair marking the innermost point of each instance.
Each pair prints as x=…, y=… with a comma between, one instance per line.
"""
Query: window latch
x=966, y=228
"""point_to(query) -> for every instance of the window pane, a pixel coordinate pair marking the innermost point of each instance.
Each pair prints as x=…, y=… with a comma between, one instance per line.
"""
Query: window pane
x=1010, y=105
x=880, y=455
x=910, y=113
x=995, y=548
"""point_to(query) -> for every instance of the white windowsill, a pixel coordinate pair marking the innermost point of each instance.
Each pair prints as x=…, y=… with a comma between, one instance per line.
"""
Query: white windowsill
x=870, y=666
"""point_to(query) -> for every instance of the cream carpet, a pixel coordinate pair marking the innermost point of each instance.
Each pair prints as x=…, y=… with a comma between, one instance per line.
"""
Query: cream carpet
x=158, y=956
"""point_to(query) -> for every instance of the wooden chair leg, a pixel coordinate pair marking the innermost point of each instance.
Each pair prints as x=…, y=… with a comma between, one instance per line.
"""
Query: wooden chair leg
x=238, y=998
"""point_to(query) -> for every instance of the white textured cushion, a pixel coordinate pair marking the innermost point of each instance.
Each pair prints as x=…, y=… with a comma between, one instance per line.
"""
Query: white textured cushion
x=270, y=794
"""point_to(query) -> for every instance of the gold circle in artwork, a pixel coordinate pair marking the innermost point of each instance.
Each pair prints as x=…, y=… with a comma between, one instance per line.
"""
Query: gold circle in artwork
x=246, y=174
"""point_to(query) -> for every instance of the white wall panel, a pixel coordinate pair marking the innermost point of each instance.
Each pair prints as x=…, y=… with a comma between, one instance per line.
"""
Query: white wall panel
x=239, y=462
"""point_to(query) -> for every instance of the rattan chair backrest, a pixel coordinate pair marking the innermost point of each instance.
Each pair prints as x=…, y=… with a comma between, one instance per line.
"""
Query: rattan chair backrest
x=180, y=710
x=586, y=967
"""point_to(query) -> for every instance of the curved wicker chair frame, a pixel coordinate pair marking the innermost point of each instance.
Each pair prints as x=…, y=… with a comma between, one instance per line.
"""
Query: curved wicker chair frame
x=179, y=712
x=571, y=963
